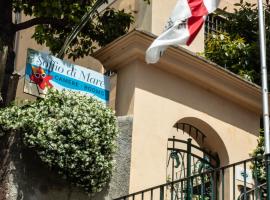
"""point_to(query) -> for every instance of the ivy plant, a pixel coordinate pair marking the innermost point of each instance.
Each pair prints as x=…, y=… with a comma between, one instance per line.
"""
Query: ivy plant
x=73, y=134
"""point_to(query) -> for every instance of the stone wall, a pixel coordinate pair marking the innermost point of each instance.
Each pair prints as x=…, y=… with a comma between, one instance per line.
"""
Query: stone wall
x=29, y=179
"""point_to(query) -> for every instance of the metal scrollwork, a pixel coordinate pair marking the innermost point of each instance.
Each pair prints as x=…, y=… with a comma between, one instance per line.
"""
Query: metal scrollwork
x=186, y=159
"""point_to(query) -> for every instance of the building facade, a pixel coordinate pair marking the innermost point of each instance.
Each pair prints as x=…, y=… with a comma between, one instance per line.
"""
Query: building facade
x=148, y=17
x=181, y=98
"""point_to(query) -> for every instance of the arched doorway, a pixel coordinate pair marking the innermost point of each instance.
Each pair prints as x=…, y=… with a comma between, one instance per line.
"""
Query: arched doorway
x=185, y=157
x=191, y=150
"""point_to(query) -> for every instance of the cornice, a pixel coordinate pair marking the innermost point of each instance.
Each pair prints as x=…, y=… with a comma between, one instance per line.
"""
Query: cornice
x=193, y=68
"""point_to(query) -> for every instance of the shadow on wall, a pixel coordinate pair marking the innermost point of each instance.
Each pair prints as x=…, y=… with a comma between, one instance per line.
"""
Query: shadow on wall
x=194, y=96
x=212, y=141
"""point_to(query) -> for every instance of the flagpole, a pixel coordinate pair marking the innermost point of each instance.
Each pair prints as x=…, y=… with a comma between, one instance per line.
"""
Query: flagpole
x=264, y=93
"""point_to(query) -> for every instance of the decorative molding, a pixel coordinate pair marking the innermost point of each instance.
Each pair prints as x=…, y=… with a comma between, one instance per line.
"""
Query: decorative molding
x=184, y=64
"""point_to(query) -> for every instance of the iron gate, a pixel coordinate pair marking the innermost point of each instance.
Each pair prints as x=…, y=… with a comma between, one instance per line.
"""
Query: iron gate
x=185, y=159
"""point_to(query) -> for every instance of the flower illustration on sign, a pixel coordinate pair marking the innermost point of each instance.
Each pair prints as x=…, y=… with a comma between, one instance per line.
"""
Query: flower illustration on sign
x=40, y=78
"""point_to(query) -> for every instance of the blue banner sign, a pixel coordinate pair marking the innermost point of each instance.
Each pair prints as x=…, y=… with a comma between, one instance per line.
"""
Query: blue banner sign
x=44, y=71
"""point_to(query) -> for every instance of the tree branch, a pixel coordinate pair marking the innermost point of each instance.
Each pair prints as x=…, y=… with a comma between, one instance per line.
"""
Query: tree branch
x=40, y=20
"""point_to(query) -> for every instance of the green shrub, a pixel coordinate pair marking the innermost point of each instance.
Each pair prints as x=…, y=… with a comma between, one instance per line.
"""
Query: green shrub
x=258, y=168
x=74, y=134
x=230, y=54
x=242, y=27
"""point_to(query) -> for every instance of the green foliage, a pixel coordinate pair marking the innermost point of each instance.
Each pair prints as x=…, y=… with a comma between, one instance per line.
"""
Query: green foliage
x=244, y=19
x=258, y=168
x=107, y=24
x=230, y=53
x=74, y=134
x=242, y=27
x=64, y=15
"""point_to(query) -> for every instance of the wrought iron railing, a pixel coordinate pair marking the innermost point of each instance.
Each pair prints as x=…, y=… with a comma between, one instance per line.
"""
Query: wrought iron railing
x=254, y=190
x=241, y=180
x=185, y=159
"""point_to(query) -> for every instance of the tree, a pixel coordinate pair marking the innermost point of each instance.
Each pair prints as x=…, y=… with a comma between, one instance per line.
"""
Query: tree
x=231, y=54
x=53, y=21
x=243, y=25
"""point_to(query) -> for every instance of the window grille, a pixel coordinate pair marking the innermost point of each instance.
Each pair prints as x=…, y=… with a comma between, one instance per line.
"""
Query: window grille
x=213, y=25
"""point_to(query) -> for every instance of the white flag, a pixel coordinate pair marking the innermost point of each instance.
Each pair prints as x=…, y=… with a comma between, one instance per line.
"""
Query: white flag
x=182, y=27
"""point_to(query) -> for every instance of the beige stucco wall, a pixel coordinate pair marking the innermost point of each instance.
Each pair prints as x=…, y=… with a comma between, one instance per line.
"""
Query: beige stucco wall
x=153, y=17
x=159, y=11
x=160, y=100
x=180, y=88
